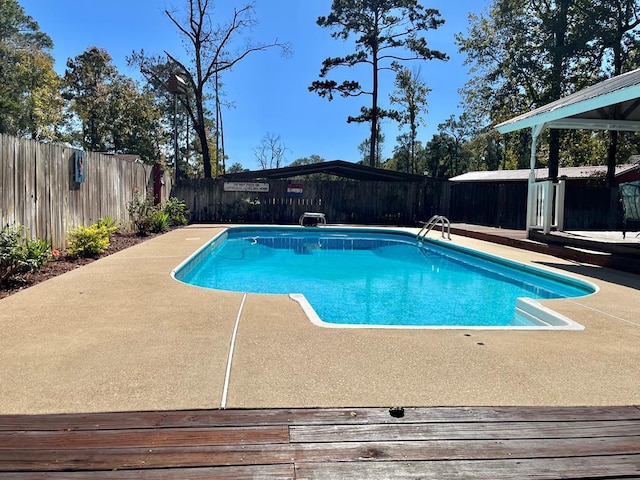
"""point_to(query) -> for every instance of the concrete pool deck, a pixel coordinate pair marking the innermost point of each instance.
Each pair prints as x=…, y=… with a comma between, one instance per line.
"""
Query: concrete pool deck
x=120, y=334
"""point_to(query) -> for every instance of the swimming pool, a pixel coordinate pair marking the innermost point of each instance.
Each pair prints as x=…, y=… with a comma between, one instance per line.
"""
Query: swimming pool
x=381, y=278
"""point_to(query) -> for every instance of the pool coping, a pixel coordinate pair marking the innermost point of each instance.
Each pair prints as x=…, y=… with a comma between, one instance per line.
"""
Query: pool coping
x=535, y=311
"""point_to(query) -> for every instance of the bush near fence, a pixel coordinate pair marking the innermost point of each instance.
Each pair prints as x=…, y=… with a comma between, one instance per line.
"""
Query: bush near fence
x=38, y=188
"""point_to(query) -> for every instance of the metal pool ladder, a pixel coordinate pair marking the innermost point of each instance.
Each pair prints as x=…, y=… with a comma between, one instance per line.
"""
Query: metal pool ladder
x=434, y=221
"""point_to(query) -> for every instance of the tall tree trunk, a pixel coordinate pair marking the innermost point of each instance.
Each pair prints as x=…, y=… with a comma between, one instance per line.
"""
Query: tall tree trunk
x=374, y=116
x=414, y=134
x=222, y=155
x=560, y=32
x=612, y=148
x=217, y=94
x=374, y=102
x=200, y=128
x=554, y=154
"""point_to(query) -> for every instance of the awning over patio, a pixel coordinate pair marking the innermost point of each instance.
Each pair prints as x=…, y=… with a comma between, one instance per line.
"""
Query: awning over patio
x=613, y=104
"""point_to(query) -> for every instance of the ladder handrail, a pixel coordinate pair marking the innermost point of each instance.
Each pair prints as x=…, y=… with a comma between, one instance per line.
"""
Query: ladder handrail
x=434, y=221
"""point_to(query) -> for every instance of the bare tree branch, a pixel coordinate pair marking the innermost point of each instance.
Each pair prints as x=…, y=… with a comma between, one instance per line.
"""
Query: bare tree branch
x=210, y=52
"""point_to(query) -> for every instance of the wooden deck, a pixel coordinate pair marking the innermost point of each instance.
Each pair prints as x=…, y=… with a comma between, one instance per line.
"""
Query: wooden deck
x=368, y=443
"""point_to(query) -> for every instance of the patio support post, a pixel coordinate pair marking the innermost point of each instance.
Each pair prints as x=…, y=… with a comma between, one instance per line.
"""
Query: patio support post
x=547, y=206
x=560, y=205
x=530, y=220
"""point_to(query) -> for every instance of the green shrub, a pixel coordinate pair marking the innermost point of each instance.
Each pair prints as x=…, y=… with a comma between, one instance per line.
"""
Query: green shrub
x=177, y=211
x=20, y=255
x=142, y=210
x=107, y=223
x=159, y=222
x=88, y=241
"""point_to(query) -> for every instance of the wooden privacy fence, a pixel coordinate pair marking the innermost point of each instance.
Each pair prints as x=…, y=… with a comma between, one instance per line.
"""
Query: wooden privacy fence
x=505, y=205
x=495, y=205
x=390, y=203
x=39, y=188
x=592, y=208
x=362, y=202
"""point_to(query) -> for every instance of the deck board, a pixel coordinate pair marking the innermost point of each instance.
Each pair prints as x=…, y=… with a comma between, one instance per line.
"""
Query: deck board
x=587, y=468
x=429, y=442
x=253, y=472
x=462, y=431
x=307, y=416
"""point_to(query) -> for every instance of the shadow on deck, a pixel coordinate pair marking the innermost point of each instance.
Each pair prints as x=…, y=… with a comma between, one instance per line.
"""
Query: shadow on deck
x=368, y=443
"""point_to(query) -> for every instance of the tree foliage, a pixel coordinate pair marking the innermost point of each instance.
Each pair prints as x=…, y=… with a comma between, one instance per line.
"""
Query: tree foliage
x=385, y=31
x=448, y=153
x=136, y=120
x=411, y=94
x=408, y=155
x=526, y=53
x=115, y=115
x=236, y=167
x=616, y=38
x=365, y=148
x=30, y=103
x=88, y=80
x=271, y=152
x=310, y=160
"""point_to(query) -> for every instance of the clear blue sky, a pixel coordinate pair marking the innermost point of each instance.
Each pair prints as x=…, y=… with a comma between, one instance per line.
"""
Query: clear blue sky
x=269, y=93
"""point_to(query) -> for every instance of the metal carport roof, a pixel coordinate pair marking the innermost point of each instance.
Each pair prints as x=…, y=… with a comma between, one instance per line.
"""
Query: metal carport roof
x=339, y=168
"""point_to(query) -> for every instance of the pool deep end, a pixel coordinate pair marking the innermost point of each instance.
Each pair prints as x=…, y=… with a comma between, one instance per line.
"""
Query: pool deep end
x=400, y=277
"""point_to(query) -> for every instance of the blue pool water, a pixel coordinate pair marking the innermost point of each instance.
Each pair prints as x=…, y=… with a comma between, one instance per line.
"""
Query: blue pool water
x=374, y=277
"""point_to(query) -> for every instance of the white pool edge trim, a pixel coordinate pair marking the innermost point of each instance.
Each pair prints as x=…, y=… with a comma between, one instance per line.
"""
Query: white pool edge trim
x=544, y=318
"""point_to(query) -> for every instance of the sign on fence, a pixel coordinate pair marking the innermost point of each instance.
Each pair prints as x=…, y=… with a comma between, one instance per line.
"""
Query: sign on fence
x=245, y=187
x=294, y=190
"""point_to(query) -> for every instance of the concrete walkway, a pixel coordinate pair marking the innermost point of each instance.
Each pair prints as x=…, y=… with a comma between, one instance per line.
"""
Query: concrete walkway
x=120, y=334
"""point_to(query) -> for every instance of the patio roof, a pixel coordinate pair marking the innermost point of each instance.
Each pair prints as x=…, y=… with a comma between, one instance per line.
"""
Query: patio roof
x=613, y=104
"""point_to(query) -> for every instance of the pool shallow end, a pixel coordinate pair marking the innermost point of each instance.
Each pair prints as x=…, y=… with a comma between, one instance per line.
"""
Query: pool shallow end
x=527, y=311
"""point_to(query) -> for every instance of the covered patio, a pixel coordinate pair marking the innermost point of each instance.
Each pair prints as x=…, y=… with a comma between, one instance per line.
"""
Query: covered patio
x=613, y=104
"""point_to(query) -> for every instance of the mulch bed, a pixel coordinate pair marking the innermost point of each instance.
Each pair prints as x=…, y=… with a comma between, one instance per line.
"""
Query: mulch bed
x=64, y=262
